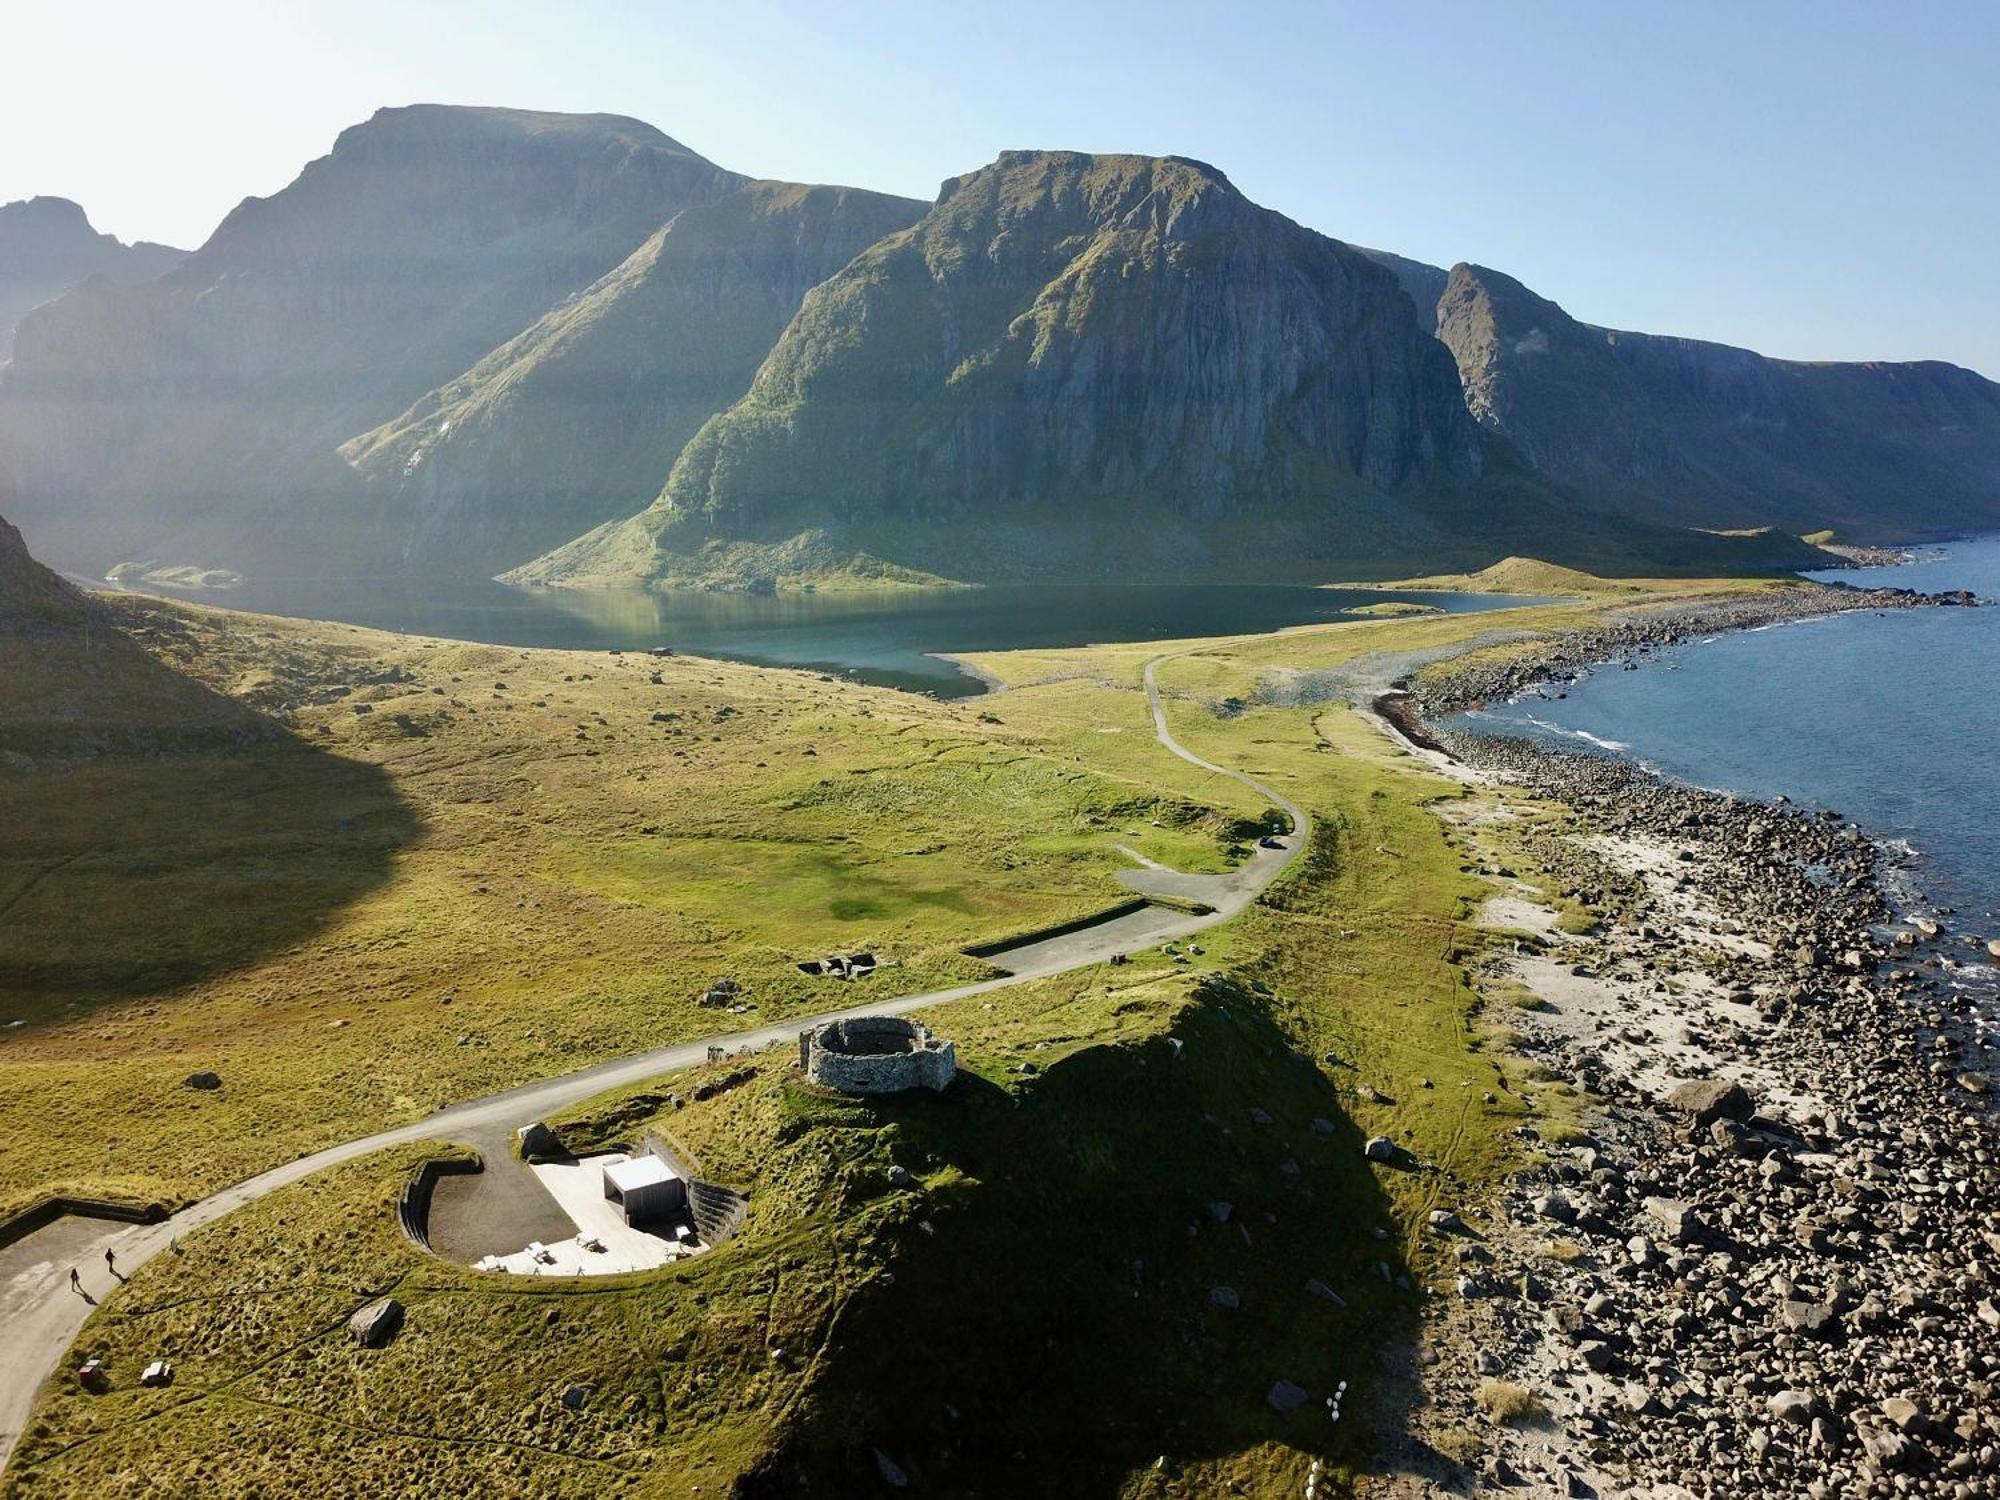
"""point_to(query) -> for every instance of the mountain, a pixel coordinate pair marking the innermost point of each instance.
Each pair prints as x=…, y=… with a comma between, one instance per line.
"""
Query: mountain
x=197, y=416
x=76, y=687
x=48, y=246
x=1702, y=434
x=577, y=420
x=1072, y=365
x=566, y=345
x=1422, y=284
x=28, y=591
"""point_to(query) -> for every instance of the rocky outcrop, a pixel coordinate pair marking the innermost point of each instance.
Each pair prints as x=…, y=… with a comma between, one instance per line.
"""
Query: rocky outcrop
x=196, y=417
x=1703, y=434
x=47, y=246
x=1075, y=361
x=577, y=420
x=29, y=593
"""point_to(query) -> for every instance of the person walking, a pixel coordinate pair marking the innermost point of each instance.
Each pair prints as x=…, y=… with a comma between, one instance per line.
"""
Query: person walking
x=75, y=1280
x=111, y=1260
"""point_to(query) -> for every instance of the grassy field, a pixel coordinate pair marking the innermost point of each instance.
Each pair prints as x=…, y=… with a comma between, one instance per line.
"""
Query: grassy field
x=1058, y=1306
x=401, y=872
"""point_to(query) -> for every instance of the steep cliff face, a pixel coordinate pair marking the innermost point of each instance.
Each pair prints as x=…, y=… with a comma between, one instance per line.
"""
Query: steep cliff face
x=1423, y=284
x=1071, y=358
x=199, y=413
x=577, y=420
x=48, y=246
x=1703, y=434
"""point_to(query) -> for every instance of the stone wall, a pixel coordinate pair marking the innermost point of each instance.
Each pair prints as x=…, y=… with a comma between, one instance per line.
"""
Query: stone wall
x=877, y=1055
x=413, y=1205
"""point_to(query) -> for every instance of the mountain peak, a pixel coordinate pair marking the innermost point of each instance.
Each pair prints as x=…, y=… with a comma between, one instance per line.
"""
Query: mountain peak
x=460, y=123
x=1024, y=171
x=46, y=211
x=47, y=245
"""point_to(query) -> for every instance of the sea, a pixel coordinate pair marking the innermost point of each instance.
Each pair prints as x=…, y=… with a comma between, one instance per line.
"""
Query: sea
x=1892, y=719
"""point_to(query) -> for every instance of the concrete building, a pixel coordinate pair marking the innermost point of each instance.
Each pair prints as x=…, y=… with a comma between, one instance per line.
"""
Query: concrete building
x=646, y=1189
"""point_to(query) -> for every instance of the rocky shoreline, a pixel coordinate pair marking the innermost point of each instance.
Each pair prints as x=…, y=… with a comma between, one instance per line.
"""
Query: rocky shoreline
x=1769, y=1262
x=1639, y=630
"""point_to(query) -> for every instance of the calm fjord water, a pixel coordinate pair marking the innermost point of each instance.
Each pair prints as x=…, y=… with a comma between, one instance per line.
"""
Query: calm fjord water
x=883, y=638
x=1892, y=719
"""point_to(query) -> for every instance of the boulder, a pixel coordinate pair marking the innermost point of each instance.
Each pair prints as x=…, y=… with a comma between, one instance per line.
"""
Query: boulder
x=1286, y=1397
x=537, y=1142
x=1224, y=1296
x=1379, y=1148
x=1712, y=1099
x=203, y=1081
x=1553, y=1206
x=1905, y=1414
x=1816, y=1318
x=891, y=1472
x=1677, y=1220
x=1795, y=1407
x=375, y=1324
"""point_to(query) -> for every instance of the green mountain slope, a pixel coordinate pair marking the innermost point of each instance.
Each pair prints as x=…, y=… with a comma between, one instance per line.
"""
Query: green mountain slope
x=1072, y=366
x=196, y=417
x=577, y=420
x=48, y=246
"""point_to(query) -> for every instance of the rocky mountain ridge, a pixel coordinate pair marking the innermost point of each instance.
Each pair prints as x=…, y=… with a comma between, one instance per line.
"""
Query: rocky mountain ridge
x=1102, y=349
x=470, y=340
x=47, y=246
x=197, y=417
x=577, y=420
x=1704, y=434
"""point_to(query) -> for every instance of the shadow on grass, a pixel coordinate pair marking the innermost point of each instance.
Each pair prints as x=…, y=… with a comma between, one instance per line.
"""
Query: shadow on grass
x=153, y=831
x=1109, y=1268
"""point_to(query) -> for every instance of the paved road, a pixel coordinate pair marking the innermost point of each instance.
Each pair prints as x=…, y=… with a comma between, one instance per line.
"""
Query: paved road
x=40, y=1316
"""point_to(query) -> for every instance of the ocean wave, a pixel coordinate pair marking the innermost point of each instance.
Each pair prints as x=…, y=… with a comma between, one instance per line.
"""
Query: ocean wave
x=1564, y=731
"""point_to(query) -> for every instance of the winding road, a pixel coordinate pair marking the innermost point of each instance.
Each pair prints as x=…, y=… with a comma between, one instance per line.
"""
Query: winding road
x=40, y=1316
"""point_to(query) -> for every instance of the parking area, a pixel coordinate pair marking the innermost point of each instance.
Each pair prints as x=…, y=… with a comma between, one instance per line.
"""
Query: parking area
x=602, y=1244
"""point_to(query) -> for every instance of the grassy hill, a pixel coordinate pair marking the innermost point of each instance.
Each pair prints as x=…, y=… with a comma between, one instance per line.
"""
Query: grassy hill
x=1036, y=1314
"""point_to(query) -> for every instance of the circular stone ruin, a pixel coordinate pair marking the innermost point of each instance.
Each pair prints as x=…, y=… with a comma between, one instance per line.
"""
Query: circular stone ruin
x=876, y=1055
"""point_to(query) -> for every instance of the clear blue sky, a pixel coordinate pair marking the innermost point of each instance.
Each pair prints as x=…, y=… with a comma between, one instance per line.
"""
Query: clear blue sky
x=1814, y=180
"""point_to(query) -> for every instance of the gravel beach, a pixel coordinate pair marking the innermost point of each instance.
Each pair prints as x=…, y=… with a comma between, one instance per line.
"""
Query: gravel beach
x=1768, y=1263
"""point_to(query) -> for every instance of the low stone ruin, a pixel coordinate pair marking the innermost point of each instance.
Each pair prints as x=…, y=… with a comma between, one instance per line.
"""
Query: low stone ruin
x=724, y=992
x=876, y=1055
x=840, y=966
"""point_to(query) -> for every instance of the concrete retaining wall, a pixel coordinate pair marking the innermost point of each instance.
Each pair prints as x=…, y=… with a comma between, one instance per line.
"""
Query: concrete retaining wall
x=413, y=1208
x=717, y=1210
x=28, y=1220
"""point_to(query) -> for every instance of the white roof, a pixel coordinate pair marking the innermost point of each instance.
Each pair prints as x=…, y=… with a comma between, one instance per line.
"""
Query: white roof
x=640, y=1171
